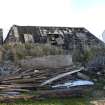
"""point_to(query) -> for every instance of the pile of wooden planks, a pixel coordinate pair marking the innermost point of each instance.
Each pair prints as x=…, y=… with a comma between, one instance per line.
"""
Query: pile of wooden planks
x=31, y=78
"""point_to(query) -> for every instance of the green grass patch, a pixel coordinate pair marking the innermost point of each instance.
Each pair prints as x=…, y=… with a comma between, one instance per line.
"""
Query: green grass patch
x=60, y=101
x=21, y=51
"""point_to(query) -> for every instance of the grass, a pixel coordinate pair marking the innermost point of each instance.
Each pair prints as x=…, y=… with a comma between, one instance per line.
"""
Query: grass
x=21, y=51
x=62, y=101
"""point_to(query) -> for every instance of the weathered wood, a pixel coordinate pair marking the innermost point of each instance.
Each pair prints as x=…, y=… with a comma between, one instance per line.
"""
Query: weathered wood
x=9, y=98
x=60, y=76
x=26, y=80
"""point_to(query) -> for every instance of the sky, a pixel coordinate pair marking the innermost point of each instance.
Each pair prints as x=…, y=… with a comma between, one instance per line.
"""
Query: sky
x=71, y=13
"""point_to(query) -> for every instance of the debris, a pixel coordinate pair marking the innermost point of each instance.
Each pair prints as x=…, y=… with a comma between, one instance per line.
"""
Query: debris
x=60, y=76
x=74, y=84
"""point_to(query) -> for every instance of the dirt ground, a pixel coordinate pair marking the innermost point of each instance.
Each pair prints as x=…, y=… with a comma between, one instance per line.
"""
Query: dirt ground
x=98, y=102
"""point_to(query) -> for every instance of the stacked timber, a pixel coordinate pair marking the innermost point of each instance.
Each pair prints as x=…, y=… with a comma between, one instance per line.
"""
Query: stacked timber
x=31, y=73
x=38, y=75
x=32, y=80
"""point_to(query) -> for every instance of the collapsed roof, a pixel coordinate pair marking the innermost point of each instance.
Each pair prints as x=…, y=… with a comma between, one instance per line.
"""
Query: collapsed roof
x=67, y=37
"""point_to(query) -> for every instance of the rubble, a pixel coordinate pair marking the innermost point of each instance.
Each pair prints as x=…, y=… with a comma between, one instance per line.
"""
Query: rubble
x=74, y=83
x=31, y=79
x=43, y=72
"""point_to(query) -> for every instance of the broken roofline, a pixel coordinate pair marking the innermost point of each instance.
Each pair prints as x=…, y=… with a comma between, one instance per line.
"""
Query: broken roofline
x=61, y=27
x=44, y=27
x=50, y=27
x=30, y=29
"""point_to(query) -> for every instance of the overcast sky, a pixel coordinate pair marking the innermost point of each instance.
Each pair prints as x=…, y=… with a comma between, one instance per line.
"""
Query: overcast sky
x=73, y=13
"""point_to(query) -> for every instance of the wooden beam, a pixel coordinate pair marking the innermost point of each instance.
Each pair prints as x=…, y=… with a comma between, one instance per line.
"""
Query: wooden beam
x=61, y=76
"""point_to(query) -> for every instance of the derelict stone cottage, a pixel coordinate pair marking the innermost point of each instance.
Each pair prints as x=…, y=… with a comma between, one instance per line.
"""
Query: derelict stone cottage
x=65, y=37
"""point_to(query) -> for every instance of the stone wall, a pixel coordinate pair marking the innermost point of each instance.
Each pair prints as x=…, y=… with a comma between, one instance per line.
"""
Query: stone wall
x=51, y=61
